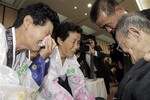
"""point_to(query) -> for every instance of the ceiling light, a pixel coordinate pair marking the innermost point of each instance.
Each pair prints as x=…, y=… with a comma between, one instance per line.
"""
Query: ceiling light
x=85, y=14
x=89, y=5
x=75, y=7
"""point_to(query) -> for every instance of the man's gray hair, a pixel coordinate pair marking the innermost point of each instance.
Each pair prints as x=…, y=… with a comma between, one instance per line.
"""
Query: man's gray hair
x=133, y=19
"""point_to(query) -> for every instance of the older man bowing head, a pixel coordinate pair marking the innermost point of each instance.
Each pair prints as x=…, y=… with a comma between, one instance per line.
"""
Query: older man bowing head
x=133, y=37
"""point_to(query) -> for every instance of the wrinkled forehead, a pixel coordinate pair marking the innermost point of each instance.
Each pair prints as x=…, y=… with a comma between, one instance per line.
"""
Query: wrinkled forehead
x=101, y=19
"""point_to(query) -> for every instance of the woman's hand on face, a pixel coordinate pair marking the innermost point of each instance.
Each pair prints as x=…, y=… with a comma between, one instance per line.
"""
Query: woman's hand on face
x=49, y=47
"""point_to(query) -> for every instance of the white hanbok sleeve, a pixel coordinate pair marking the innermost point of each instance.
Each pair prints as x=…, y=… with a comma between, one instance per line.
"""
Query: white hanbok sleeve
x=78, y=87
x=10, y=88
x=50, y=89
x=3, y=45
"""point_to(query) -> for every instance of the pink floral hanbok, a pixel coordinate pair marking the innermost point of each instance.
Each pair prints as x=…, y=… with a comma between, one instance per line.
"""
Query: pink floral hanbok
x=51, y=90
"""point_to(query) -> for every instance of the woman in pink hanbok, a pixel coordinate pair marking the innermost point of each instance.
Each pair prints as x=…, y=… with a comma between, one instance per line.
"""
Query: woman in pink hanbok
x=64, y=65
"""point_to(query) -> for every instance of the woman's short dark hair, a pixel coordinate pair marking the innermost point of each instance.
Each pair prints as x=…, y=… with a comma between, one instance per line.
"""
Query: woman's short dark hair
x=86, y=37
x=62, y=31
x=40, y=13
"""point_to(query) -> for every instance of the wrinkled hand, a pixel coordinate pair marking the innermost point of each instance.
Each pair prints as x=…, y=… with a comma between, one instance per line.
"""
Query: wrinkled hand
x=49, y=47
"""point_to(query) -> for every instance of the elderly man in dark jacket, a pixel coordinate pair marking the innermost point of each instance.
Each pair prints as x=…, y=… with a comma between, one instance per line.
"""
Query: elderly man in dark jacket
x=132, y=33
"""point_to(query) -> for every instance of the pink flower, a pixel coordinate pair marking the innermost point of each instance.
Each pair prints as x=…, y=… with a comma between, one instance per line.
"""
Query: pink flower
x=62, y=96
x=83, y=96
x=79, y=86
x=46, y=91
x=76, y=79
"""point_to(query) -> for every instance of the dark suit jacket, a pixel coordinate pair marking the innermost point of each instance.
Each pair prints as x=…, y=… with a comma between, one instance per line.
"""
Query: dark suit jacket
x=102, y=69
x=136, y=85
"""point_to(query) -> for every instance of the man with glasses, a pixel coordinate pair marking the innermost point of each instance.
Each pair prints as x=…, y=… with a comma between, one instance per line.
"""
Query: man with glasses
x=119, y=49
x=106, y=14
x=133, y=36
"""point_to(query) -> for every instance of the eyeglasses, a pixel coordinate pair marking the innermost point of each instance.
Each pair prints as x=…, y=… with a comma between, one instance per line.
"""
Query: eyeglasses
x=119, y=48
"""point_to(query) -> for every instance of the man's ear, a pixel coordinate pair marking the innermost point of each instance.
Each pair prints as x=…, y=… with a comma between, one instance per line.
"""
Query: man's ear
x=28, y=21
x=135, y=33
x=119, y=9
x=59, y=41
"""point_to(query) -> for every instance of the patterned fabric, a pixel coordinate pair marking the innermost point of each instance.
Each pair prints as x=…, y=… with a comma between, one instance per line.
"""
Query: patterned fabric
x=9, y=38
x=10, y=88
x=37, y=70
x=51, y=90
x=65, y=84
x=3, y=46
x=16, y=83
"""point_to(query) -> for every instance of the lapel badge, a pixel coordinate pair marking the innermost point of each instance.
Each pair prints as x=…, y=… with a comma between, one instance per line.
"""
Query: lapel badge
x=34, y=67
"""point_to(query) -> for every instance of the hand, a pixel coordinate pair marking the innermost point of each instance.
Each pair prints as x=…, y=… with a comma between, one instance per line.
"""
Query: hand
x=49, y=47
x=91, y=50
x=113, y=70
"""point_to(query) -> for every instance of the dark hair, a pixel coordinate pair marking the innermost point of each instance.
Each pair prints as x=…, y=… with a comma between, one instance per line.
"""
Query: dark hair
x=107, y=6
x=62, y=31
x=86, y=37
x=40, y=13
